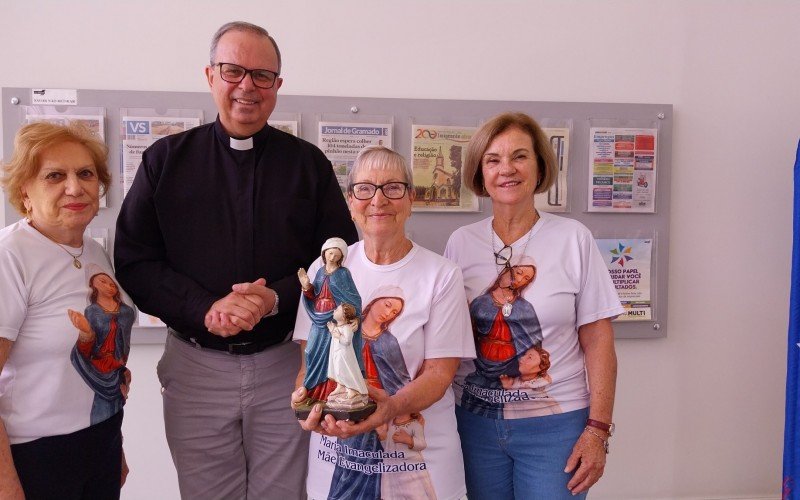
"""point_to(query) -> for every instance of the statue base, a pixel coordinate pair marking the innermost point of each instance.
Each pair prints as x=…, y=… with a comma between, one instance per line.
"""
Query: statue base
x=303, y=410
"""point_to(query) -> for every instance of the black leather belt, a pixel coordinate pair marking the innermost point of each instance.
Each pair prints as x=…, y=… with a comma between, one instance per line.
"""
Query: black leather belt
x=238, y=348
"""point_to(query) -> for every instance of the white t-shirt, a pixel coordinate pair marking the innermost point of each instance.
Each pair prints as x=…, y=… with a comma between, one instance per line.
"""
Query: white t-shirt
x=433, y=322
x=571, y=287
x=48, y=385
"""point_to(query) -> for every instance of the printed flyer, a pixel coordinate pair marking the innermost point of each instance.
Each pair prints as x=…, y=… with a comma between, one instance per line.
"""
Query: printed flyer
x=342, y=141
x=139, y=132
x=628, y=264
x=555, y=199
x=622, y=170
x=437, y=158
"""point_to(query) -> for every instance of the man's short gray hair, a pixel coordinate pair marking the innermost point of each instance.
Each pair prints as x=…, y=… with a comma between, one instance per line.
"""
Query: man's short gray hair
x=248, y=28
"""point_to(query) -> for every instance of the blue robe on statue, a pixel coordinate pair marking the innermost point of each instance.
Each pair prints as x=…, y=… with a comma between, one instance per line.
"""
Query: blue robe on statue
x=348, y=484
x=108, y=398
x=526, y=332
x=344, y=291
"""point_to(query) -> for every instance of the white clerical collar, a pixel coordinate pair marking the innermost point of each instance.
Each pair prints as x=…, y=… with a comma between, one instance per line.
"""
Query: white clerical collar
x=242, y=144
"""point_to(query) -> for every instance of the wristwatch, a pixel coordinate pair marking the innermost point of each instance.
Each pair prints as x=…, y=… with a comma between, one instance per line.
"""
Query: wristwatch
x=607, y=428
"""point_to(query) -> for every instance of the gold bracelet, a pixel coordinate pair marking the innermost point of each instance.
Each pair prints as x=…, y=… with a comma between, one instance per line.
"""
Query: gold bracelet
x=598, y=436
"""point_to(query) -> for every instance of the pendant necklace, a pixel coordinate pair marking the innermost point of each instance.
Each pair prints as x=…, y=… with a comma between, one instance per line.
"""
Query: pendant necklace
x=507, y=305
x=75, y=262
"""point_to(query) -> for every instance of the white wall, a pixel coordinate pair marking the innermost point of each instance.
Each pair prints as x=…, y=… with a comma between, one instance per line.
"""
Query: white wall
x=699, y=413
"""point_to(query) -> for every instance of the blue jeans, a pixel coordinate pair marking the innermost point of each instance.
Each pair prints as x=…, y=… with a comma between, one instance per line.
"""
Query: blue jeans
x=519, y=458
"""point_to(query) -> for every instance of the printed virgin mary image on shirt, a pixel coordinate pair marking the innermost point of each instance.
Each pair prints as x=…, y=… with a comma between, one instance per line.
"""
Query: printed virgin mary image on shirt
x=104, y=341
x=508, y=340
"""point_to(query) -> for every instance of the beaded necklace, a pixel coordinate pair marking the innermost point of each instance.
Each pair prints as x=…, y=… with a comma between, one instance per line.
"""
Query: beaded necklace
x=504, y=263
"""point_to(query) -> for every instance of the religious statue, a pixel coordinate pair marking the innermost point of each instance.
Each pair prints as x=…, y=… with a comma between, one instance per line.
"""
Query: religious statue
x=333, y=351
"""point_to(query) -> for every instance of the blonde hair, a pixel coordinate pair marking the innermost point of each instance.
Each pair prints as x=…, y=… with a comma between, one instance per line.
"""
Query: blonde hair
x=546, y=162
x=35, y=138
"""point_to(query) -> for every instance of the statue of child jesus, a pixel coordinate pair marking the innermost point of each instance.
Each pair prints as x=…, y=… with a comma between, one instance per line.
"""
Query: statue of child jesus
x=351, y=389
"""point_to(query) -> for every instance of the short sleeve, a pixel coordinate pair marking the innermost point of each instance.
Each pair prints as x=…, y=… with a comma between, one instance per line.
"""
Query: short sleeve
x=448, y=332
x=597, y=298
x=450, y=248
x=13, y=296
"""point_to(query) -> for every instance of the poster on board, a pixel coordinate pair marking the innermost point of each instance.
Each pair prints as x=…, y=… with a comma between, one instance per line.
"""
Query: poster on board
x=342, y=141
x=139, y=132
x=622, y=169
x=95, y=123
x=555, y=199
x=288, y=126
x=438, y=153
x=628, y=262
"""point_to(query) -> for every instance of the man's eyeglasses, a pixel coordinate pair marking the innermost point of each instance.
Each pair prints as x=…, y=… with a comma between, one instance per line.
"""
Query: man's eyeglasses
x=233, y=73
x=391, y=190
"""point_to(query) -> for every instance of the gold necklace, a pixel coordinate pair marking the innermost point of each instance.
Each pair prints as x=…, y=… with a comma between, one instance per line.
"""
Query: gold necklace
x=75, y=262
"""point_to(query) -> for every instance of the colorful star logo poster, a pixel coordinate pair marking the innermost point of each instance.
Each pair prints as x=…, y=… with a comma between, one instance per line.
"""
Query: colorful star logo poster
x=628, y=263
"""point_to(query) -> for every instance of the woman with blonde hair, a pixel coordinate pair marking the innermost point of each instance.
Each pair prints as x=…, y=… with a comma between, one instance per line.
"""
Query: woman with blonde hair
x=60, y=412
x=548, y=441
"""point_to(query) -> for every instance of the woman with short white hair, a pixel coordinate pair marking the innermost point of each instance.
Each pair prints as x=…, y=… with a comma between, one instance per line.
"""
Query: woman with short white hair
x=408, y=367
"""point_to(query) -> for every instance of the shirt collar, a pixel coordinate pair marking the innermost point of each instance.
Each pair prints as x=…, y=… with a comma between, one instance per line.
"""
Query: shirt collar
x=246, y=144
x=242, y=144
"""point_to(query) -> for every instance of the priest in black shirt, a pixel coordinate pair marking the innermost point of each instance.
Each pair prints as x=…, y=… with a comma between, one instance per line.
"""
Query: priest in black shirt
x=209, y=239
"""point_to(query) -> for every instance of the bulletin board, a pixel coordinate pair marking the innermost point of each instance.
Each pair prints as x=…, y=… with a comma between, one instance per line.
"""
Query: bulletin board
x=582, y=133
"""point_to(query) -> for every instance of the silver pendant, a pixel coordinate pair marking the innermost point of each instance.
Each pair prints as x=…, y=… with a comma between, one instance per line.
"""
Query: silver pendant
x=507, y=309
x=76, y=263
